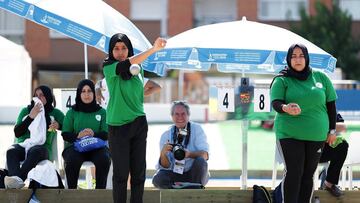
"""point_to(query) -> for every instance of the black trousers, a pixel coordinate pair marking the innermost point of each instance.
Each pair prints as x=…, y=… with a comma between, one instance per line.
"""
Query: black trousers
x=301, y=159
x=337, y=157
x=128, y=151
x=16, y=154
x=74, y=159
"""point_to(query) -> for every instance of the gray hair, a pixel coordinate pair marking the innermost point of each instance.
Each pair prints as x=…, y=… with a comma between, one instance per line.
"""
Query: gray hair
x=180, y=103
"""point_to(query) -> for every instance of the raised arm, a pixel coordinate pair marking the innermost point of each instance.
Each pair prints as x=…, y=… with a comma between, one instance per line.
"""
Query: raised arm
x=159, y=44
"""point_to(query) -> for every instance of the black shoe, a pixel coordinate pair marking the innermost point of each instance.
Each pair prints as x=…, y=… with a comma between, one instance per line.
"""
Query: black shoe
x=334, y=190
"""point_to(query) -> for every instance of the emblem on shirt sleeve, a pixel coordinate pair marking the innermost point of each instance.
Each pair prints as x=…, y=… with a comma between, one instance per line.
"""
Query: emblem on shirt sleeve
x=319, y=85
x=98, y=117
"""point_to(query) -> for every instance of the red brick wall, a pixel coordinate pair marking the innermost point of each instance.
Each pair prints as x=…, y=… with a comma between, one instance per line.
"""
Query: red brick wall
x=180, y=16
x=123, y=6
x=36, y=40
x=43, y=49
x=150, y=28
x=247, y=8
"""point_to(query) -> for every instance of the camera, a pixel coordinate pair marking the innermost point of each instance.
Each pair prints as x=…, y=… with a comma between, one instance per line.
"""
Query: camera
x=178, y=149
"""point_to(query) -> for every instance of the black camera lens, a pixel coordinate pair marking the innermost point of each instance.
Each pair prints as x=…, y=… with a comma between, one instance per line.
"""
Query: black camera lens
x=179, y=152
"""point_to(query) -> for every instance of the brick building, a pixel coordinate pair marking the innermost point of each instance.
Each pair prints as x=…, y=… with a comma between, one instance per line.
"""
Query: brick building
x=59, y=61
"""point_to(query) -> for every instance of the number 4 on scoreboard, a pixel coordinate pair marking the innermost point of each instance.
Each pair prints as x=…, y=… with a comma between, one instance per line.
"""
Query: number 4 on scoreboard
x=226, y=101
x=68, y=102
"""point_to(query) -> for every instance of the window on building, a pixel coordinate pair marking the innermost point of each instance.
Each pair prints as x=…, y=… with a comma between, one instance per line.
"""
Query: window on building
x=151, y=15
x=214, y=11
x=12, y=26
x=352, y=7
x=281, y=9
x=146, y=9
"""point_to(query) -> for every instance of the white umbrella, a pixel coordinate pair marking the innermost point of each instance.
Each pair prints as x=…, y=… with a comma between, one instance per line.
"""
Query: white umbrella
x=91, y=22
x=238, y=46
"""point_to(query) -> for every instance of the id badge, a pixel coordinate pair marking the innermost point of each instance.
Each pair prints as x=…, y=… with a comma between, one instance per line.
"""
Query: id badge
x=179, y=166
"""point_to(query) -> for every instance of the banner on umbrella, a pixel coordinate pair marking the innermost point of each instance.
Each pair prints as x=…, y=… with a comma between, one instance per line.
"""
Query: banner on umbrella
x=74, y=23
x=233, y=60
x=58, y=23
x=237, y=47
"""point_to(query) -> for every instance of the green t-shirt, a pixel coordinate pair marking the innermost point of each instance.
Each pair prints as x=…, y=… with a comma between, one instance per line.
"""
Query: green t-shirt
x=75, y=121
x=126, y=97
x=311, y=95
x=50, y=135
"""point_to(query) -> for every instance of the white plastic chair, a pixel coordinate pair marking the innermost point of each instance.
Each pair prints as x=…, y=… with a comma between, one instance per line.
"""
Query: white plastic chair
x=352, y=159
x=88, y=176
x=86, y=164
x=55, y=152
x=109, y=182
x=278, y=160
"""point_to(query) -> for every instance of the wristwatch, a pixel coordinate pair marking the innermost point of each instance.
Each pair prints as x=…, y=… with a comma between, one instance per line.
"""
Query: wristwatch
x=332, y=132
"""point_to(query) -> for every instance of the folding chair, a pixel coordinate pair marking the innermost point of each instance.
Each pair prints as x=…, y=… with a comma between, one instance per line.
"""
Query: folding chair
x=352, y=159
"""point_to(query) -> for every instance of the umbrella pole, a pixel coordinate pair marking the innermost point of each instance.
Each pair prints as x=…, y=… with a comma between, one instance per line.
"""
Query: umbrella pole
x=244, y=175
x=180, y=85
x=244, y=130
x=86, y=61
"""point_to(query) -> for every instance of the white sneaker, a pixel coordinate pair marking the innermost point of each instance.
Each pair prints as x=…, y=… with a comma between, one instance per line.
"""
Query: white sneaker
x=13, y=182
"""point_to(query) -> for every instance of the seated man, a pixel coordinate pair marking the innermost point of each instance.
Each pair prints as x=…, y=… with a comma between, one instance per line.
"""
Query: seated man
x=189, y=165
x=336, y=155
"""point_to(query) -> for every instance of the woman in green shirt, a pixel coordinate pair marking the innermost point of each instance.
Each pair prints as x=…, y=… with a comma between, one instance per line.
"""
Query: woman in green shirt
x=126, y=117
x=16, y=153
x=306, y=116
x=85, y=118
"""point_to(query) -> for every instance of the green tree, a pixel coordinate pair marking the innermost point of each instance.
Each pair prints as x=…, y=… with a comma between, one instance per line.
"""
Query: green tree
x=330, y=29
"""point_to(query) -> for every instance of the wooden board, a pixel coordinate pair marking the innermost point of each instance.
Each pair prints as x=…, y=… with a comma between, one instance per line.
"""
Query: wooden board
x=218, y=195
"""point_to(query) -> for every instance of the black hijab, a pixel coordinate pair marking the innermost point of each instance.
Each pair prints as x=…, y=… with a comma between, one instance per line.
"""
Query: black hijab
x=289, y=71
x=79, y=104
x=50, y=102
x=119, y=37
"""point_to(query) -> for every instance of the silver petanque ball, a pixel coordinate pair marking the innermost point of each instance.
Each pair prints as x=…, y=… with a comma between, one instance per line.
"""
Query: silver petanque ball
x=134, y=69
